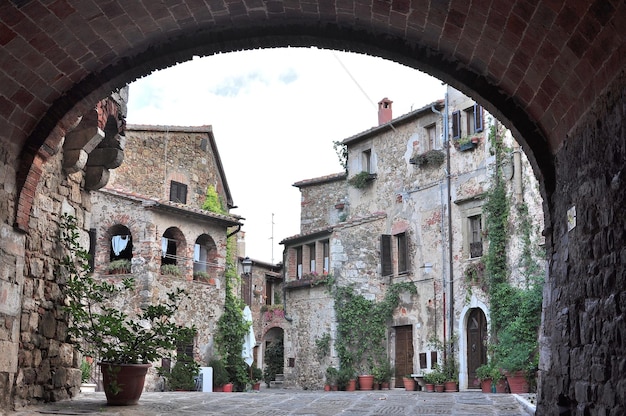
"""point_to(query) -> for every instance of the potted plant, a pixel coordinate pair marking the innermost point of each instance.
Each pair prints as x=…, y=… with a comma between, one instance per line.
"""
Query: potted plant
x=382, y=374
x=366, y=378
x=220, y=374
x=409, y=383
x=257, y=376
x=345, y=379
x=86, y=386
x=361, y=179
x=171, y=270
x=125, y=345
x=430, y=379
x=449, y=367
x=119, y=266
x=332, y=375
x=203, y=277
x=182, y=377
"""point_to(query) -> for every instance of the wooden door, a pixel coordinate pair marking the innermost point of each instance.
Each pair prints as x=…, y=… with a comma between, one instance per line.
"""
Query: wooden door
x=404, y=353
x=476, y=348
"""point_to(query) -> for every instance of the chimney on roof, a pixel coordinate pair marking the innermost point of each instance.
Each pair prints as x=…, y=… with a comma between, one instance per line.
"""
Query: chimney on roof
x=384, y=111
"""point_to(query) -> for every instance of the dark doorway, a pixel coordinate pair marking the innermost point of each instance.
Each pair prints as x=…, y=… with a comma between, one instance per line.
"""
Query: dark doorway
x=404, y=353
x=476, y=348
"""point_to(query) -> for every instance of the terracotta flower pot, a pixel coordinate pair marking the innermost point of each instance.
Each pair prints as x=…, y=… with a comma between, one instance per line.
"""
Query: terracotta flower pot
x=485, y=385
x=384, y=385
x=409, y=383
x=228, y=388
x=517, y=382
x=326, y=387
x=123, y=383
x=439, y=388
x=351, y=385
x=366, y=382
x=430, y=387
x=451, y=386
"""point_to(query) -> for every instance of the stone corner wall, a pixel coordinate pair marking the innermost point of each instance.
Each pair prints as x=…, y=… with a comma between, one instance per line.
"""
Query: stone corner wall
x=583, y=354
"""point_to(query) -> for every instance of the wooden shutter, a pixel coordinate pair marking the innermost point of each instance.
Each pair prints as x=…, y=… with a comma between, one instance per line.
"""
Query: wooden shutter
x=385, y=255
x=456, y=125
x=478, y=118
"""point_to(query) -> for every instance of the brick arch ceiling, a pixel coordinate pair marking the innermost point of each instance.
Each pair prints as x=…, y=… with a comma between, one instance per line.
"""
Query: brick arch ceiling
x=536, y=65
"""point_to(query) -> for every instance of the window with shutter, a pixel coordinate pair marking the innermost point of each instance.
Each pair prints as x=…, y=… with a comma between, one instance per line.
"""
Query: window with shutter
x=478, y=118
x=178, y=192
x=385, y=255
x=456, y=125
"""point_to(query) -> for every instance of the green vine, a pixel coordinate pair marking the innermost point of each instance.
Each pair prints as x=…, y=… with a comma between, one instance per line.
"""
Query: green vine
x=231, y=327
x=515, y=312
x=362, y=326
x=212, y=202
x=342, y=153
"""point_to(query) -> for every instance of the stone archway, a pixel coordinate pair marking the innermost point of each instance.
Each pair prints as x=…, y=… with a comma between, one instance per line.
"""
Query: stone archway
x=553, y=72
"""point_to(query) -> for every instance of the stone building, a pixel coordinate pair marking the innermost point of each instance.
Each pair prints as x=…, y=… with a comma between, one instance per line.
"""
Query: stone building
x=406, y=221
x=261, y=290
x=151, y=215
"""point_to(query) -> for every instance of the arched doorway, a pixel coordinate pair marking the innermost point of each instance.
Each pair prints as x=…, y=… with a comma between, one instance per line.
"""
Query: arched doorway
x=476, y=334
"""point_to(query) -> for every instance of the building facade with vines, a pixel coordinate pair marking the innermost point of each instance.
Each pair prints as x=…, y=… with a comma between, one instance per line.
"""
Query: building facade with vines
x=395, y=216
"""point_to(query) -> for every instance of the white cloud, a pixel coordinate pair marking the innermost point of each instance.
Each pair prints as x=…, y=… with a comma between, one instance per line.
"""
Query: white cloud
x=275, y=114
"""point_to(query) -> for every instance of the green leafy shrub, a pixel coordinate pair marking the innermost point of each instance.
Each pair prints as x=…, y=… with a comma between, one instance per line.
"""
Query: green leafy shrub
x=361, y=179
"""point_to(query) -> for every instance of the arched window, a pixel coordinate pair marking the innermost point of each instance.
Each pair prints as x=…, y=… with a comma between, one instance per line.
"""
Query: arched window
x=120, y=243
x=204, y=256
x=172, y=245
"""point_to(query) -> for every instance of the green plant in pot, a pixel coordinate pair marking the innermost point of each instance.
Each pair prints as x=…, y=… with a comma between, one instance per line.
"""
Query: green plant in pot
x=98, y=328
x=183, y=375
x=119, y=266
x=220, y=374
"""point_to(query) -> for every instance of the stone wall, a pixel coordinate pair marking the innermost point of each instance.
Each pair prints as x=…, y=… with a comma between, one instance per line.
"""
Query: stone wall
x=47, y=365
x=155, y=155
x=323, y=202
x=583, y=353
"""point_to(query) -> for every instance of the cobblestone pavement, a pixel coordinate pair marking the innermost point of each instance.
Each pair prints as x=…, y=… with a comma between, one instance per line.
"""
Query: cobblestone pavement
x=292, y=402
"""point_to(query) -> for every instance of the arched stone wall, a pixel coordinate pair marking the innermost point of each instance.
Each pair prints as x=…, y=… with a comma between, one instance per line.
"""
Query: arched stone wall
x=553, y=72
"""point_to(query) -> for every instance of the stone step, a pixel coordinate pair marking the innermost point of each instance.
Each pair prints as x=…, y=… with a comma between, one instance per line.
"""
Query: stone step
x=279, y=377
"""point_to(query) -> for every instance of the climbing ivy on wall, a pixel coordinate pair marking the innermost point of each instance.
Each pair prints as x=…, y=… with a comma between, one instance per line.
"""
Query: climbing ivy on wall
x=231, y=327
x=362, y=325
x=515, y=312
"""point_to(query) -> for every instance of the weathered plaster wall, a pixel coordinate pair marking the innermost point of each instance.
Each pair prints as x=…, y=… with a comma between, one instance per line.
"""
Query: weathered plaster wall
x=313, y=315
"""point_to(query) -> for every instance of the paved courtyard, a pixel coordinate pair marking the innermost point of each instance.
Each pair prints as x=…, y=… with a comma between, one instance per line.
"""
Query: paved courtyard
x=295, y=402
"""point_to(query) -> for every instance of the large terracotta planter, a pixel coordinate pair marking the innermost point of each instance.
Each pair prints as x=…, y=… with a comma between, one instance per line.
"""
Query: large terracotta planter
x=366, y=382
x=439, y=388
x=451, y=386
x=384, y=385
x=228, y=388
x=430, y=387
x=409, y=383
x=123, y=383
x=517, y=382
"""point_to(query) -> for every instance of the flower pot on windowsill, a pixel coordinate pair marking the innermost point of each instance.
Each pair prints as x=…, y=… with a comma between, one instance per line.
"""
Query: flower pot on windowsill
x=463, y=147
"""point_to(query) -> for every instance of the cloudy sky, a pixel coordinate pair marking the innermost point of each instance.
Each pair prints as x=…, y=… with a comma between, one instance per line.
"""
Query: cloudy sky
x=275, y=114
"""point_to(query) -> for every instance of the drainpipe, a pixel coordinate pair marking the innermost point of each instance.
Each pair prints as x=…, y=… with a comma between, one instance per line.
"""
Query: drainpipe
x=234, y=232
x=517, y=171
x=448, y=180
x=446, y=142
